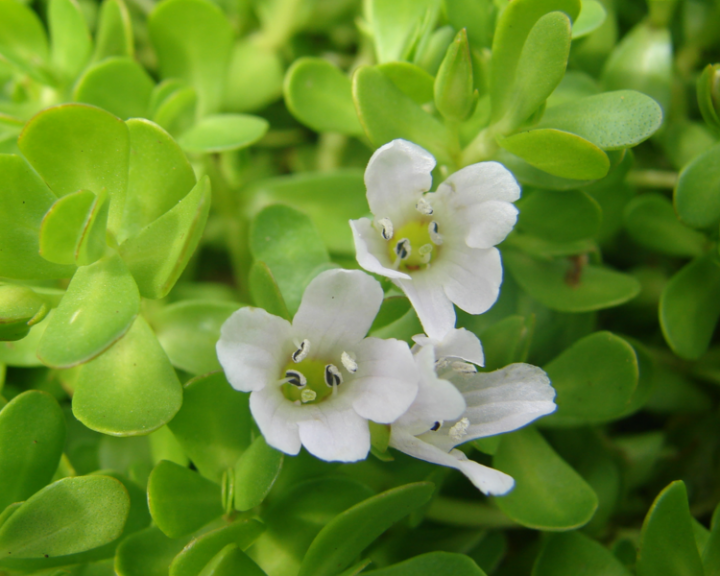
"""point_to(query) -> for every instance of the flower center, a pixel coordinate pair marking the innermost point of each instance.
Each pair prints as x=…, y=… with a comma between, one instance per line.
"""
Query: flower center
x=414, y=245
x=310, y=381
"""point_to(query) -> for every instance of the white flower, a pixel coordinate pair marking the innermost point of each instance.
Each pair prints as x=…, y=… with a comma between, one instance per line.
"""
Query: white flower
x=318, y=381
x=447, y=413
x=437, y=247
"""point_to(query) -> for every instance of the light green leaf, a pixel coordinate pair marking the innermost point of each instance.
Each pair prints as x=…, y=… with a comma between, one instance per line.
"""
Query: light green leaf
x=22, y=352
x=594, y=379
x=123, y=397
x=667, y=543
x=181, y=501
x=611, y=120
x=432, y=564
x=23, y=41
x=176, y=113
x=71, y=515
x=319, y=95
x=119, y=85
x=193, y=40
x=476, y=17
x=572, y=553
x=453, y=87
x=189, y=330
x=592, y=15
x=349, y=533
x=396, y=24
x=559, y=153
x=255, y=473
x=114, y=34
x=147, y=553
x=690, y=308
x=254, y=78
x=411, y=80
x=559, y=216
x=697, y=200
x=214, y=425
x=223, y=132
x=32, y=434
x=70, y=40
x=157, y=255
x=265, y=292
x=386, y=113
x=231, y=561
x=548, y=494
x=20, y=309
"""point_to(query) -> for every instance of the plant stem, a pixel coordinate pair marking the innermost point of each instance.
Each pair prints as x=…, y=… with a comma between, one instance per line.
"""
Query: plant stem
x=652, y=178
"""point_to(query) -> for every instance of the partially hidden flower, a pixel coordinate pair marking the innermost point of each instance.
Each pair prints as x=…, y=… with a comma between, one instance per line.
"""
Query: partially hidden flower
x=455, y=404
x=437, y=247
x=317, y=381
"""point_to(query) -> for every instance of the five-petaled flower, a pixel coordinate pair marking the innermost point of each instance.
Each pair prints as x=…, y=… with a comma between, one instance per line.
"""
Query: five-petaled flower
x=437, y=247
x=318, y=381
x=455, y=405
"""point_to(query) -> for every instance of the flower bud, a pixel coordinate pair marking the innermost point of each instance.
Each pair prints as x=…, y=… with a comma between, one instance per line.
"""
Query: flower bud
x=20, y=308
x=708, y=94
x=454, y=89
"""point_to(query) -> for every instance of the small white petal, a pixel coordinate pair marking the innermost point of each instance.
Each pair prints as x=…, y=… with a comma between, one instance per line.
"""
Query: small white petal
x=396, y=176
x=480, y=182
x=371, y=250
x=386, y=382
x=337, y=309
x=277, y=419
x=431, y=303
x=254, y=347
x=489, y=223
x=335, y=435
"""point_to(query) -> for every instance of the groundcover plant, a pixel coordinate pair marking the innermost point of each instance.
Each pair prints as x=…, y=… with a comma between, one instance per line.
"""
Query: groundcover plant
x=338, y=287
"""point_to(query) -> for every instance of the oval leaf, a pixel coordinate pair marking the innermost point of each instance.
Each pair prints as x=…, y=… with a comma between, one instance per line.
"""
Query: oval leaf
x=255, y=473
x=231, y=561
x=573, y=553
x=432, y=564
x=697, y=197
x=223, y=132
x=559, y=216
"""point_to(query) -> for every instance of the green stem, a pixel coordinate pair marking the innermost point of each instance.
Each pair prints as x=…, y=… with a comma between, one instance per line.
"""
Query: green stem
x=652, y=178
x=483, y=147
x=466, y=513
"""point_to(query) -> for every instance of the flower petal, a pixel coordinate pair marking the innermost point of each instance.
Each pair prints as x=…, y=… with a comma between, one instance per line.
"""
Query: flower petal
x=277, y=419
x=430, y=301
x=459, y=343
x=386, y=382
x=371, y=250
x=396, y=176
x=471, y=277
x=335, y=435
x=253, y=348
x=478, y=183
x=489, y=481
x=337, y=309
x=488, y=224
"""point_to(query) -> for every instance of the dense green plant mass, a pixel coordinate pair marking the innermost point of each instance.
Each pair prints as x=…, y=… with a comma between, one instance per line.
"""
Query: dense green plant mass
x=164, y=164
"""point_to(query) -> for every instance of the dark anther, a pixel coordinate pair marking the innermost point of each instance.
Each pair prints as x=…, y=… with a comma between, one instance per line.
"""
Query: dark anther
x=435, y=426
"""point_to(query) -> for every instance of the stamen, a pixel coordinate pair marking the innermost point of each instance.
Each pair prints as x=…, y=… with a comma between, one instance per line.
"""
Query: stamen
x=307, y=395
x=425, y=252
x=463, y=367
x=347, y=361
x=423, y=206
x=332, y=376
x=459, y=429
x=442, y=363
x=435, y=427
x=301, y=353
x=387, y=228
x=435, y=236
x=295, y=378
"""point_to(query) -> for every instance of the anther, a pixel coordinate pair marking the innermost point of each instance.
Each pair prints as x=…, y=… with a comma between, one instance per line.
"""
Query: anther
x=435, y=427
x=307, y=395
x=332, y=376
x=301, y=353
x=403, y=249
x=435, y=236
x=423, y=206
x=347, y=361
x=459, y=429
x=425, y=252
x=386, y=228
x=463, y=367
x=295, y=378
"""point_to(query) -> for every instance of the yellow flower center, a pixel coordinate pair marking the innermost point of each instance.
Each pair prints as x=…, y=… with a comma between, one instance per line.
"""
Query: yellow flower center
x=412, y=245
x=315, y=389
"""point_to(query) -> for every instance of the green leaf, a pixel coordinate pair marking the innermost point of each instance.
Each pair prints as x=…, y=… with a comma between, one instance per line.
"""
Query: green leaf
x=265, y=292
x=255, y=473
x=559, y=216
x=181, y=501
x=319, y=95
x=193, y=40
x=71, y=515
x=696, y=195
x=231, y=561
x=70, y=40
x=131, y=389
x=548, y=493
x=114, y=35
x=411, y=80
x=349, y=533
x=214, y=425
x=288, y=242
x=119, y=85
x=592, y=15
x=202, y=549
x=611, y=120
x=147, y=553
x=667, y=543
x=23, y=352
x=73, y=230
x=432, y=564
x=189, y=330
x=23, y=41
x=176, y=113
x=20, y=309
x=386, y=113
x=453, y=88
x=705, y=88
x=157, y=255
x=690, y=308
x=566, y=285
x=223, y=132
x=32, y=434
x=99, y=307
x=506, y=342
x=24, y=200
x=711, y=553
x=651, y=222
x=573, y=553
x=392, y=308
x=511, y=33
x=78, y=147
x=395, y=25
x=594, y=380
x=254, y=77
x=476, y=17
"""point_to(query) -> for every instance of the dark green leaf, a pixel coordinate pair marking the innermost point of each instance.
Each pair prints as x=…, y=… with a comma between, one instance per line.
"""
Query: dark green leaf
x=696, y=195
x=559, y=216
x=432, y=564
x=572, y=554
x=255, y=473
